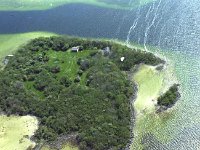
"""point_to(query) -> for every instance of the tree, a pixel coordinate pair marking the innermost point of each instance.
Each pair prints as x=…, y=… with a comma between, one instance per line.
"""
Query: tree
x=65, y=81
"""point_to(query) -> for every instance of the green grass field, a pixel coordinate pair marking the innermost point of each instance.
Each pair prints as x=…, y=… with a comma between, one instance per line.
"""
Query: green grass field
x=23, y=5
x=67, y=67
x=9, y=43
x=67, y=61
x=15, y=132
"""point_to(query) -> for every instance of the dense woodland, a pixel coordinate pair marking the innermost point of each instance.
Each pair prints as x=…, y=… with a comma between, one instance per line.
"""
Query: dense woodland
x=169, y=98
x=86, y=92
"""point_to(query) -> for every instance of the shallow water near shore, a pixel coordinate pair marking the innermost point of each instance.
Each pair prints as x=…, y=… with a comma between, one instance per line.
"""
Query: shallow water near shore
x=15, y=132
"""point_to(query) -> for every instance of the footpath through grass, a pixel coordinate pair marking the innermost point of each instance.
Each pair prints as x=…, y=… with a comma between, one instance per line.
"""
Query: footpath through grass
x=67, y=61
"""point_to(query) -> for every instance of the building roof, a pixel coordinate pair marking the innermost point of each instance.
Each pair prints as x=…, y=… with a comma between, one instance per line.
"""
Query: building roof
x=10, y=55
x=75, y=48
x=122, y=59
x=107, y=49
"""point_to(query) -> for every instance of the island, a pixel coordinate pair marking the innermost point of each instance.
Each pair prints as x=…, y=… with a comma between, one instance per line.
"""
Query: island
x=79, y=90
x=169, y=98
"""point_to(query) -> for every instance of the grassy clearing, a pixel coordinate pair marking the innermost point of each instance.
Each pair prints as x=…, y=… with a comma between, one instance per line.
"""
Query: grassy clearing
x=24, y=5
x=67, y=61
x=9, y=43
x=15, y=132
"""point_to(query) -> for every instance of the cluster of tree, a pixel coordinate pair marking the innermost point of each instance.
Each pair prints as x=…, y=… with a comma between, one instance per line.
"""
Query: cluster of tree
x=170, y=97
x=132, y=57
x=98, y=109
x=64, y=43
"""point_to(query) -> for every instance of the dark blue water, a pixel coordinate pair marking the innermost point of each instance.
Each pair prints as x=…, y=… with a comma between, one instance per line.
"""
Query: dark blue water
x=79, y=20
x=85, y=21
x=155, y=25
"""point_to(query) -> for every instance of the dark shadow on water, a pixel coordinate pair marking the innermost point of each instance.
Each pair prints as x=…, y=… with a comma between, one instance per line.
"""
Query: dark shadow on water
x=91, y=21
x=73, y=19
x=157, y=24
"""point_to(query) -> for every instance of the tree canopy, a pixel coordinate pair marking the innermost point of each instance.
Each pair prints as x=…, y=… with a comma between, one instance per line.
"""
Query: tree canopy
x=170, y=97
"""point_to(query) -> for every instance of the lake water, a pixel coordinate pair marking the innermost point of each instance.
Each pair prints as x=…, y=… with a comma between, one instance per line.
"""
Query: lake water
x=173, y=26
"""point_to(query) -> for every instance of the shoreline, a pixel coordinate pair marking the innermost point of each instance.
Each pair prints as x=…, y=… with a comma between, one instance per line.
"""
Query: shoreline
x=139, y=118
x=132, y=111
x=132, y=99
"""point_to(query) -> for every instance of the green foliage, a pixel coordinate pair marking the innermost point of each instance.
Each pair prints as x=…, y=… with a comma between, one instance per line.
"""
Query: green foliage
x=55, y=69
x=65, y=81
x=82, y=92
x=170, y=97
x=132, y=57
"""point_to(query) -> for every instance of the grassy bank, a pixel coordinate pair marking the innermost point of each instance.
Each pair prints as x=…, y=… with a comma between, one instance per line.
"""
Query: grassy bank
x=24, y=5
x=9, y=43
x=15, y=132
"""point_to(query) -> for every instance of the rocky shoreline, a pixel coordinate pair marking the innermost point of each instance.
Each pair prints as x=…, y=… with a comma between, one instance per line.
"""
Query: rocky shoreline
x=131, y=101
